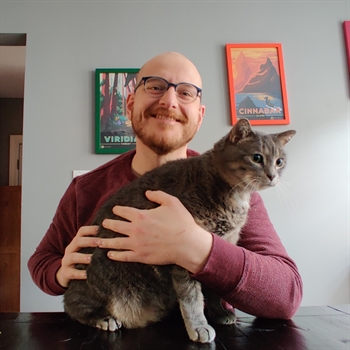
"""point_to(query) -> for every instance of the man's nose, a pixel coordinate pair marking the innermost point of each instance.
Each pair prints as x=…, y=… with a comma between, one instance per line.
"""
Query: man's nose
x=169, y=99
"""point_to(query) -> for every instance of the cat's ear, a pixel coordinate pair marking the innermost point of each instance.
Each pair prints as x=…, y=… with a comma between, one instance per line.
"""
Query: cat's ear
x=285, y=136
x=240, y=131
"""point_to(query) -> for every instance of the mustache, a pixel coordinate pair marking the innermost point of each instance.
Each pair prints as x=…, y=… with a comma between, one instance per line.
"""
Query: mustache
x=165, y=113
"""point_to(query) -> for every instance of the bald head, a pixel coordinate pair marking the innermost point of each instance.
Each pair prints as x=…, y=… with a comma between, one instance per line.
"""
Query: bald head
x=172, y=66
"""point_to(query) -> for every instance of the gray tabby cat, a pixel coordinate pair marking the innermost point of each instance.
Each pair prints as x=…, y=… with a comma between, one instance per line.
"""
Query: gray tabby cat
x=215, y=188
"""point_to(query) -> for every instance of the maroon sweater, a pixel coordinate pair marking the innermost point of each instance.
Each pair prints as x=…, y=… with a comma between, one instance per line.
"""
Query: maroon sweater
x=257, y=276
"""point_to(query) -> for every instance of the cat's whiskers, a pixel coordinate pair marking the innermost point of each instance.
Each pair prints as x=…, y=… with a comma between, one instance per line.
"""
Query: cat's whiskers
x=252, y=185
x=236, y=185
x=286, y=195
x=256, y=184
x=246, y=185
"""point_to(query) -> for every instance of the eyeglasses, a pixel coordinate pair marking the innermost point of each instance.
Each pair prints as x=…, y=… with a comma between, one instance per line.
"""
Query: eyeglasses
x=157, y=87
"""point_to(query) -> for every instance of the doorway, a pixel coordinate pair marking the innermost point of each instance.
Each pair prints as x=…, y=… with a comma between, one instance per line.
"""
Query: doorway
x=15, y=160
x=12, y=68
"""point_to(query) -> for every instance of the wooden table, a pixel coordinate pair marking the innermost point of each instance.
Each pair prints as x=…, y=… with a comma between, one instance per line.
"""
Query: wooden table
x=311, y=328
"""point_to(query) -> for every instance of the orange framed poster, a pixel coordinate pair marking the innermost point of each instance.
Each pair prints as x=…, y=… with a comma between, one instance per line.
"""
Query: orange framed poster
x=257, y=84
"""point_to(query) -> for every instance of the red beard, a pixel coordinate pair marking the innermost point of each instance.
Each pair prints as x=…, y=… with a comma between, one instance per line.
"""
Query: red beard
x=161, y=144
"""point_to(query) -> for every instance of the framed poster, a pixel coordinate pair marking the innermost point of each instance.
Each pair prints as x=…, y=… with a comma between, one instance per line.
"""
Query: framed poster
x=257, y=85
x=114, y=133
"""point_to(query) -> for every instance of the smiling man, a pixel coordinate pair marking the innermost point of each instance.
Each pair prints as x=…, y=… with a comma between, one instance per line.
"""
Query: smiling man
x=165, y=116
x=257, y=276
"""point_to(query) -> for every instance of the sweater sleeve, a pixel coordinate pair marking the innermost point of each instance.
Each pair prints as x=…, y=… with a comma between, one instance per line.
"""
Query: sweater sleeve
x=257, y=276
x=46, y=260
x=77, y=208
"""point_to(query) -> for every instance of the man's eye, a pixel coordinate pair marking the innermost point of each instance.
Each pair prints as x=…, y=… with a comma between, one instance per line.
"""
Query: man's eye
x=155, y=88
x=185, y=93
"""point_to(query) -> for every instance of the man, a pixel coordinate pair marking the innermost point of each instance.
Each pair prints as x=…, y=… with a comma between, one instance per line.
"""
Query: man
x=257, y=276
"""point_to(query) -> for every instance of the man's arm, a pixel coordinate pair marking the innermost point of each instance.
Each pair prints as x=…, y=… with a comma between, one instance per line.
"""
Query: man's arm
x=57, y=253
x=258, y=276
x=46, y=261
x=52, y=265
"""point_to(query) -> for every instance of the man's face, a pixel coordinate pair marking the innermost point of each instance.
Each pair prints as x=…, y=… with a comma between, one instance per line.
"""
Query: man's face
x=166, y=124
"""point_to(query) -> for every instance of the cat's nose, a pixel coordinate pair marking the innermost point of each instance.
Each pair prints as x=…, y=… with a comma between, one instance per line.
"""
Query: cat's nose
x=271, y=176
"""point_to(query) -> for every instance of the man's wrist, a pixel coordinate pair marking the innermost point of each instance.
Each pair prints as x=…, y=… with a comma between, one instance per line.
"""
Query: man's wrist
x=59, y=278
x=197, y=250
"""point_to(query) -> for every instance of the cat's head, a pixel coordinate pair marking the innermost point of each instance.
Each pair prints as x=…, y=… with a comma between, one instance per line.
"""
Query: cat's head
x=250, y=159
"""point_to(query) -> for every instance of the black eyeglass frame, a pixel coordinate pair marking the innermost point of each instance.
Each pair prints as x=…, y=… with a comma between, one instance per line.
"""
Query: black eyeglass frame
x=144, y=79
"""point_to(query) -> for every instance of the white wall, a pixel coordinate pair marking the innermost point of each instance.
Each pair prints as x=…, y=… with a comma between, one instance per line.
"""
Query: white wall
x=66, y=41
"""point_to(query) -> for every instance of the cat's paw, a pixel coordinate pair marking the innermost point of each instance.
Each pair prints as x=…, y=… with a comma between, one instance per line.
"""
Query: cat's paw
x=225, y=317
x=109, y=324
x=202, y=334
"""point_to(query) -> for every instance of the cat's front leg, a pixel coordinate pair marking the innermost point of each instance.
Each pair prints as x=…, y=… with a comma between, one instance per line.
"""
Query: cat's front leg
x=215, y=311
x=190, y=298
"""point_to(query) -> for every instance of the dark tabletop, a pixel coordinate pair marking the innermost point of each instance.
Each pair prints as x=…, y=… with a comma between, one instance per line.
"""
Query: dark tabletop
x=311, y=328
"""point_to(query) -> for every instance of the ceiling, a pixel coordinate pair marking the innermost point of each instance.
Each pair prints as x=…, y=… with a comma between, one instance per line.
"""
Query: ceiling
x=12, y=67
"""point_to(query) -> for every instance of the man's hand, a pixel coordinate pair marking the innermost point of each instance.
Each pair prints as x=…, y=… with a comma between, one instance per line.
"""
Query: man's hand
x=167, y=234
x=67, y=271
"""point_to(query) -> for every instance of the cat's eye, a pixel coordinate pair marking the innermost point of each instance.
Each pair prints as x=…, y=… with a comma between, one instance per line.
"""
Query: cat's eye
x=257, y=158
x=279, y=162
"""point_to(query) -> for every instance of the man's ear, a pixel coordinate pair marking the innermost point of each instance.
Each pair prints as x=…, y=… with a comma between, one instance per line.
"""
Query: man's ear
x=201, y=113
x=130, y=104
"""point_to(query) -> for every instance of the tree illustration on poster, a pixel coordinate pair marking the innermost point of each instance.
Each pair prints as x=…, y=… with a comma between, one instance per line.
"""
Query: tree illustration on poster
x=257, y=83
x=114, y=132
